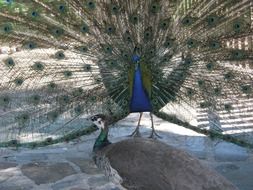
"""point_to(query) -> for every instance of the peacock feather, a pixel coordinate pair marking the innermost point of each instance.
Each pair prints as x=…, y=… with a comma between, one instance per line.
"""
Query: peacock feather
x=75, y=58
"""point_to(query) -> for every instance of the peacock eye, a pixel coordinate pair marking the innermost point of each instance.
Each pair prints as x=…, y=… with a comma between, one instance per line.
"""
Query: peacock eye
x=99, y=122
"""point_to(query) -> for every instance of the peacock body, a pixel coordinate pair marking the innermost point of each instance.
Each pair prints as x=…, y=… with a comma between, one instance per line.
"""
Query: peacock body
x=80, y=57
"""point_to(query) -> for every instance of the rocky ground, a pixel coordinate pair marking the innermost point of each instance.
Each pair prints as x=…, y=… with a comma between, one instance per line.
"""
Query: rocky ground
x=69, y=166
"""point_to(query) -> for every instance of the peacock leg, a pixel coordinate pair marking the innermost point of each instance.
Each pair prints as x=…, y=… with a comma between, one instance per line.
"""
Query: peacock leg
x=153, y=133
x=136, y=132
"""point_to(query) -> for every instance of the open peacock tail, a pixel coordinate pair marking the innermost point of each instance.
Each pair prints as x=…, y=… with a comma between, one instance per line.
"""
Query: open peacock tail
x=75, y=58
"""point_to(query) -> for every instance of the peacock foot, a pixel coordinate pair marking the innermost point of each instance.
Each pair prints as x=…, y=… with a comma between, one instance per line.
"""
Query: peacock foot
x=136, y=133
x=154, y=135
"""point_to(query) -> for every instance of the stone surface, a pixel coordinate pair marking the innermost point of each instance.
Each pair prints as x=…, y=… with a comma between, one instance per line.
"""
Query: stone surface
x=79, y=180
x=241, y=174
x=14, y=187
x=5, y=165
x=97, y=181
x=227, y=168
x=42, y=173
x=230, y=152
x=35, y=157
x=83, y=175
x=86, y=166
x=116, y=188
x=42, y=187
x=196, y=146
x=5, y=176
x=17, y=182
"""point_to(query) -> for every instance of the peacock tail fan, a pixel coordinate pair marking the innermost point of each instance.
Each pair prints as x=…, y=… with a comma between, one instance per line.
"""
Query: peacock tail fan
x=73, y=58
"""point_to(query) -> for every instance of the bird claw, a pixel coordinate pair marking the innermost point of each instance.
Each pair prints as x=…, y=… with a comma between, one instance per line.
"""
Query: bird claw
x=136, y=133
x=153, y=135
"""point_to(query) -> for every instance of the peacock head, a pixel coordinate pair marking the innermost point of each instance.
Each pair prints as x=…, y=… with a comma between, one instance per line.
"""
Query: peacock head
x=136, y=55
x=100, y=121
x=136, y=58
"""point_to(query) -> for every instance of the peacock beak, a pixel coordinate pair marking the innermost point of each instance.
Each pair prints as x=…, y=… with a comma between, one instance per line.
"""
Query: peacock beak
x=92, y=119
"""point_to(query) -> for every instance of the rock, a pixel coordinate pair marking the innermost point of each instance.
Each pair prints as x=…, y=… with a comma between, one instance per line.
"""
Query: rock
x=13, y=187
x=5, y=176
x=42, y=187
x=115, y=188
x=241, y=174
x=73, y=181
x=86, y=166
x=230, y=152
x=196, y=146
x=31, y=157
x=5, y=165
x=227, y=168
x=95, y=181
x=147, y=164
x=42, y=173
x=17, y=182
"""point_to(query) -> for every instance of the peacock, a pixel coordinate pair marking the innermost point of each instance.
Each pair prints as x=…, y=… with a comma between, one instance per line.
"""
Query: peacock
x=71, y=59
x=147, y=164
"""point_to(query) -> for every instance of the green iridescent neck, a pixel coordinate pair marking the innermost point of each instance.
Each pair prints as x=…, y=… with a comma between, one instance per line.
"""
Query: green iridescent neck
x=102, y=140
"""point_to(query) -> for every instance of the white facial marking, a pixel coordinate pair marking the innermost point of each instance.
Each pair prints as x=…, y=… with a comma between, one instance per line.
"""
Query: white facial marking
x=99, y=123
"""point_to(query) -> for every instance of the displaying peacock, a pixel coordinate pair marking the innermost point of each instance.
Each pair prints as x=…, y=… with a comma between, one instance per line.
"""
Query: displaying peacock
x=75, y=58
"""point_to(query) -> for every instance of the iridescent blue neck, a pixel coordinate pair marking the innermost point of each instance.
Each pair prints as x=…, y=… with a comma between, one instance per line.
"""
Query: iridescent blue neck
x=101, y=140
x=140, y=101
